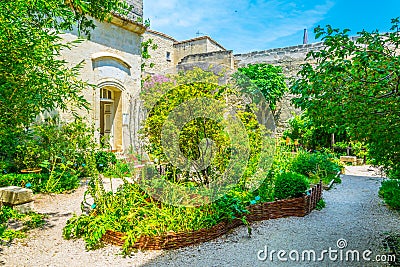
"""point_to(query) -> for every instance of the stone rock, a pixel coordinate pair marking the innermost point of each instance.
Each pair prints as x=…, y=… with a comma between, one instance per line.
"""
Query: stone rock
x=24, y=208
x=14, y=195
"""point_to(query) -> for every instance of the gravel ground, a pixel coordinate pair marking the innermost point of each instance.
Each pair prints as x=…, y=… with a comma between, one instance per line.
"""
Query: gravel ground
x=353, y=212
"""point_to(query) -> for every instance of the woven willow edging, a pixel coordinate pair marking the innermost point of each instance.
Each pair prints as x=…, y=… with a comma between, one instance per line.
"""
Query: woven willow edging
x=270, y=210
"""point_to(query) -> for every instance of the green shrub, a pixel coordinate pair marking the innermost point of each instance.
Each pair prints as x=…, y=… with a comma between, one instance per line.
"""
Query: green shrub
x=320, y=204
x=132, y=211
x=290, y=185
x=39, y=182
x=29, y=221
x=120, y=169
x=105, y=159
x=390, y=192
x=316, y=166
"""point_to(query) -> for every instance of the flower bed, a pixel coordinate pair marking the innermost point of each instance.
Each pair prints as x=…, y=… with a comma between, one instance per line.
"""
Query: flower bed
x=270, y=210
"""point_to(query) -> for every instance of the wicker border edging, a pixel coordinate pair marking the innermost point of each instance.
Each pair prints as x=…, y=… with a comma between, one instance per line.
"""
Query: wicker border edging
x=298, y=207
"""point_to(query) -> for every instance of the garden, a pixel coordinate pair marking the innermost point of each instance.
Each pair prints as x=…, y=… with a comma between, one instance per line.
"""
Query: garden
x=210, y=154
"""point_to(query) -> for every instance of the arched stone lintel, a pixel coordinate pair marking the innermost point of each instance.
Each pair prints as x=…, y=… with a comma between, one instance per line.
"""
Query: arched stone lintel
x=111, y=82
x=102, y=55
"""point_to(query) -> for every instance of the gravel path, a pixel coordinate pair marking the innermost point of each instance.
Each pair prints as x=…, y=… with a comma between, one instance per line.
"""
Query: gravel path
x=354, y=213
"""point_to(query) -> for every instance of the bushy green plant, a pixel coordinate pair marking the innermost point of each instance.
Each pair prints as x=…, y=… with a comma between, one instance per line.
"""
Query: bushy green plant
x=320, y=204
x=390, y=192
x=132, y=211
x=105, y=159
x=290, y=185
x=164, y=95
x=316, y=165
x=40, y=182
x=29, y=221
x=353, y=87
x=120, y=169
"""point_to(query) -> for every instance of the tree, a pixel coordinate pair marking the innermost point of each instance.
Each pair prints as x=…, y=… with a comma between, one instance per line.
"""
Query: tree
x=193, y=99
x=33, y=77
x=266, y=78
x=354, y=86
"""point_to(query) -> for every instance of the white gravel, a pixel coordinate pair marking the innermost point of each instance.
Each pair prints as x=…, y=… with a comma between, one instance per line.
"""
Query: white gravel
x=354, y=213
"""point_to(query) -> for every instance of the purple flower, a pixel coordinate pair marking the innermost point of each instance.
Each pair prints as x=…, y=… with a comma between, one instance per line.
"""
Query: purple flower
x=252, y=202
x=257, y=198
x=93, y=206
x=28, y=185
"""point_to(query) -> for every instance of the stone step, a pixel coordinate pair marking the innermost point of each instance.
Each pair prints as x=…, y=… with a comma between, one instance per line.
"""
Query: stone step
x=14, y=195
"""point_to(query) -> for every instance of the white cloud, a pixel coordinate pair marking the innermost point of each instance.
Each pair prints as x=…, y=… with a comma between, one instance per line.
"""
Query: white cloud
x=240, y=25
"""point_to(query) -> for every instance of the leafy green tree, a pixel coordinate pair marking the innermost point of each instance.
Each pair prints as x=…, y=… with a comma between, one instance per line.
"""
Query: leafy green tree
x=164, y=95
x=266, y=78
x=354, y=86
x=33, y=76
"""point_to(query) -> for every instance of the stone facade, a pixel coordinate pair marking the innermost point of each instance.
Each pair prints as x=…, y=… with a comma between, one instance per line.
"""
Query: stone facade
x=224, y=58
x=163, y=56
x=136, y=12
x=199, y=45
x=171, y=54
x=112, y=60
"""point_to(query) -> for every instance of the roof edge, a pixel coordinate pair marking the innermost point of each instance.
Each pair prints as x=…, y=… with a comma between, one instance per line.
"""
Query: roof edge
x=200, y=38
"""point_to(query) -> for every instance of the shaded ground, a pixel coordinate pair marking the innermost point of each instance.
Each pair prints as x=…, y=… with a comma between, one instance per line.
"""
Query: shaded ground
x=353, y=213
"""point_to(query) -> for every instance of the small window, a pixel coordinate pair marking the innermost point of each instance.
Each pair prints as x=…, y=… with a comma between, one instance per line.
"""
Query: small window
x=168, y=56
x=106, y=94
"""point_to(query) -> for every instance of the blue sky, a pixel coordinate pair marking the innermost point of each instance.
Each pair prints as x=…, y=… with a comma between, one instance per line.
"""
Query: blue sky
x=245, y=26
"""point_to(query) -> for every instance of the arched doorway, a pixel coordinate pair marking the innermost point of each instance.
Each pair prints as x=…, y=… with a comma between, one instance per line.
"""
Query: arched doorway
x=111, y=117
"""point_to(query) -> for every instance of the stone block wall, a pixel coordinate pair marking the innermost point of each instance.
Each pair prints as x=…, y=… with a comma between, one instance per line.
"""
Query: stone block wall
x=137, y=10
x=224, y=58
x=165, y=44
x=199, y=45
x=112, y=60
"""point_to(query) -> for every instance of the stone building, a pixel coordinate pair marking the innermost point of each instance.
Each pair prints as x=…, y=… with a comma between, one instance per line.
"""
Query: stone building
x=112, y=62
x=172, y=54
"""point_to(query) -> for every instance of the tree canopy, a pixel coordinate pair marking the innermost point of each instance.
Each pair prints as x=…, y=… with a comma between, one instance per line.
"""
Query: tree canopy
x=33, y=77
x=266, y=78
x=354, y=87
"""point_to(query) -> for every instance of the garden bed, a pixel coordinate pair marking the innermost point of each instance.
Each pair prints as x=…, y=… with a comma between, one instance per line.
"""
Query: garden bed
x=269, y=210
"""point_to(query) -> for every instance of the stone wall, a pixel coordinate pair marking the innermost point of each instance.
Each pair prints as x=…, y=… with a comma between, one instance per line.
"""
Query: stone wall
x=165, y=44
x=137, y=10
x=111, y=60
x=224, y=58
x=200, y=45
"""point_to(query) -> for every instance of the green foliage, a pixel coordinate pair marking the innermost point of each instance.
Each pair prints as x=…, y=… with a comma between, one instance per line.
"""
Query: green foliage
x=63, y=151
x=164, y=94
x=132, y=211
x=58, y=182
x=118, y=170
x=390, y=192
x=34, y=78
x=290, y=185
x=266, y=78
x=316, y=166
x=146, y=47
x=310, y=135
x=320, y=204
x=354, y=88
x=29, y=221
x=105, y=159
